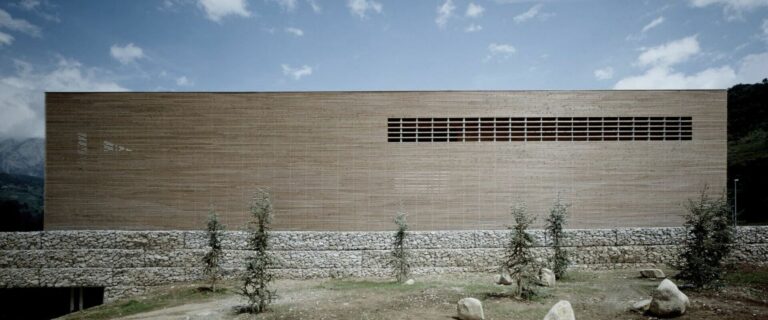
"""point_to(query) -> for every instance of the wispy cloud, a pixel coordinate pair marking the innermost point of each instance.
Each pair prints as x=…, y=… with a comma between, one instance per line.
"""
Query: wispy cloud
x=5, y=39
x=218, y=9
x=183, y=81
x=499, y=50
x=604, y=73
x=315, y=6
x=533, y=12
x=653, y=24
x=296, y=73
x=20, y=25
x=23, y=99
x=361, y=8
x=670, y=53
x=732, y=9
x=474, y=10
x=294, y=31
x=127, y=53
x=473, y=28
x=444, y=12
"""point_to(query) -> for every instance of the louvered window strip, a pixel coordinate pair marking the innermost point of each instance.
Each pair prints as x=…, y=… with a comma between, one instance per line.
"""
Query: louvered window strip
x=539, y=129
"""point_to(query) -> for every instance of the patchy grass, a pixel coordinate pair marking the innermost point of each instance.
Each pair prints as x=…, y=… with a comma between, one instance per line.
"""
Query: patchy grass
x=594, y=295
x=163, y=298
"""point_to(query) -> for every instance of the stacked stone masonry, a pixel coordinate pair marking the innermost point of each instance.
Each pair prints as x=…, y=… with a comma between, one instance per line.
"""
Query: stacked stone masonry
x=130, y=262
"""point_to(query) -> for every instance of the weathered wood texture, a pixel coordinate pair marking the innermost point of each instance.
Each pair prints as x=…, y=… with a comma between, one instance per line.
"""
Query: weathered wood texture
x=326, y=159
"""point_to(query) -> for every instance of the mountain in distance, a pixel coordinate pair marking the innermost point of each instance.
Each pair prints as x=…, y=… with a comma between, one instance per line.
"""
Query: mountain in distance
x=23, y=156
x=22, y=166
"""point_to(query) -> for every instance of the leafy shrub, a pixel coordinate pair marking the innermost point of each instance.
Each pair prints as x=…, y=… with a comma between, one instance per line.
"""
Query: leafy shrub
x=400, y=258
x=708, y=241
x=555, y=222
x=212, y=258
x=258, y=277
x=518, y=259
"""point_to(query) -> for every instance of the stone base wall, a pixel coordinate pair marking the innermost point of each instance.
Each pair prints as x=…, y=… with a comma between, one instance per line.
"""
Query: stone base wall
x=130, y=262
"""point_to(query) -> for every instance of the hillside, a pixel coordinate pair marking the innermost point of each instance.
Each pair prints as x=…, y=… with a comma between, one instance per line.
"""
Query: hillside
x=21, y=202
x=24, y=157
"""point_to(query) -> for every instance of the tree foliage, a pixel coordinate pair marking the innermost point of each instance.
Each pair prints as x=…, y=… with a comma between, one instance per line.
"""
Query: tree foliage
x=258, y=276
x=518, y=258
x=708, y=240
x=212, y=259
x=555, y=222
x=400, y=259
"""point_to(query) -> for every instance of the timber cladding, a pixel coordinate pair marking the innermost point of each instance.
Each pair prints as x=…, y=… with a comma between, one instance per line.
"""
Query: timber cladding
x=147, y=161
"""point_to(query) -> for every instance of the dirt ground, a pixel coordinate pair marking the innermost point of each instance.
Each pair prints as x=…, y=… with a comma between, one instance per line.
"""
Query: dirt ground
x=594, y=295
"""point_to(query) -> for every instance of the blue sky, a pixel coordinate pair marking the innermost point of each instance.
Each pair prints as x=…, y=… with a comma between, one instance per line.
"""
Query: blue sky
x=296, y=45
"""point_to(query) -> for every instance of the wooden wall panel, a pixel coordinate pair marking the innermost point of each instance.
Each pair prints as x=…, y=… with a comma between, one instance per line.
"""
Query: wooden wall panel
x=326, y=159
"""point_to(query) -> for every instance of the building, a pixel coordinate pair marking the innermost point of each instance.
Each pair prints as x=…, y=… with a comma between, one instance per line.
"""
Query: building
x=343, y=161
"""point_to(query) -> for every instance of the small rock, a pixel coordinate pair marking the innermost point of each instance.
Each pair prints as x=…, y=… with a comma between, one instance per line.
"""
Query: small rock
x=547, y=277
x=652, y=273
x=470, y=309
x=667, y=300
x=561, y=311
x=641, y=306
x=504, y=279
x=410, y=282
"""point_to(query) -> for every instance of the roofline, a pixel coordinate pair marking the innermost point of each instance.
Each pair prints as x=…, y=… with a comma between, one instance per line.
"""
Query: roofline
x=387, y=91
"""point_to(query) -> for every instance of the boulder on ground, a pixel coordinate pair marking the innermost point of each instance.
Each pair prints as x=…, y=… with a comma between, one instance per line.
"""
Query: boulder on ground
x=652, y=273
x=641, y=306
x=547, y=277
x=410, y=282
x=470, y=309
x=561, y=311
x=667, y=300
x=504, y=279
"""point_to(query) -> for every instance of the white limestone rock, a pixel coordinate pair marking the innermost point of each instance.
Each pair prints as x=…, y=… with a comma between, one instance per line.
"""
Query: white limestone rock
x=561, y=311
x=667, y=300
x=652, y=273
x=547, y=277
x=470, y=309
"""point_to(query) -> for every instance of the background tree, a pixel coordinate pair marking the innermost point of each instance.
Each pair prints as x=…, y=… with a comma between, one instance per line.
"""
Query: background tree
x=400, y=258
x=258, y=276
x=212, y=258
x=708, y=241
x=555, y=222
x=518, y=257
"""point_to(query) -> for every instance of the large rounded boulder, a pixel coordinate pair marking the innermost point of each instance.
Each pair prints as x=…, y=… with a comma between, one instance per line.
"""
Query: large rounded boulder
x=667, y=300
x=470, y=309
x=561, y=311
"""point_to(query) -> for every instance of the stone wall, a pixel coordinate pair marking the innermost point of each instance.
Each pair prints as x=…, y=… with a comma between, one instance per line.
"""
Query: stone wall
x=129, y=262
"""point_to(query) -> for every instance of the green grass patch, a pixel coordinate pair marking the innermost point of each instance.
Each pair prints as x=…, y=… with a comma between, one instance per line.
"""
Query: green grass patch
x=138, y=305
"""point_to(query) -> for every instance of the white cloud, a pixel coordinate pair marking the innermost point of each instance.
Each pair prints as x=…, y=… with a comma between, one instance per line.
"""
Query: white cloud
x=672, y=52
x=765, y=29
x=361, y=8
x=218, y=9
x=753, y=68
x=604, y=73
x=315, y=6
x=294, y=31
x=653, y=24
x=473, y=28
x=474, y=10
x=444, y=12
x=20, y=25
x=287, y=5
x=500, y=50
x=23, y=94
x=183, y=81
x=29, y=4
x=662, y=77
x=296, y=73
x=528, y=15
x=732, y=9
x=5, y=39
x=127, y=53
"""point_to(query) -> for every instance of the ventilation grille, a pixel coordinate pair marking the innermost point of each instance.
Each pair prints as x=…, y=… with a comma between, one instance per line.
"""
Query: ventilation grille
x=539, y=129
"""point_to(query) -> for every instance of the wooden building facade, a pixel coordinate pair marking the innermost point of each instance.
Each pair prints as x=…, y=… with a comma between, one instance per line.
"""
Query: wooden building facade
x=348, y=161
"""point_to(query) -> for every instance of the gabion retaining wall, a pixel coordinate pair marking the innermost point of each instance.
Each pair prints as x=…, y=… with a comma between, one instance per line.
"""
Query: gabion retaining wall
x=129, y=262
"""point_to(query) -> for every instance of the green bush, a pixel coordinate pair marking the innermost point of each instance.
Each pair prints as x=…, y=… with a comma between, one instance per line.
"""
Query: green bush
x=400, y=257
x=555, y=222
x=708, y=241
x=258, y=276
x=518, y=259
x=212, y=258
